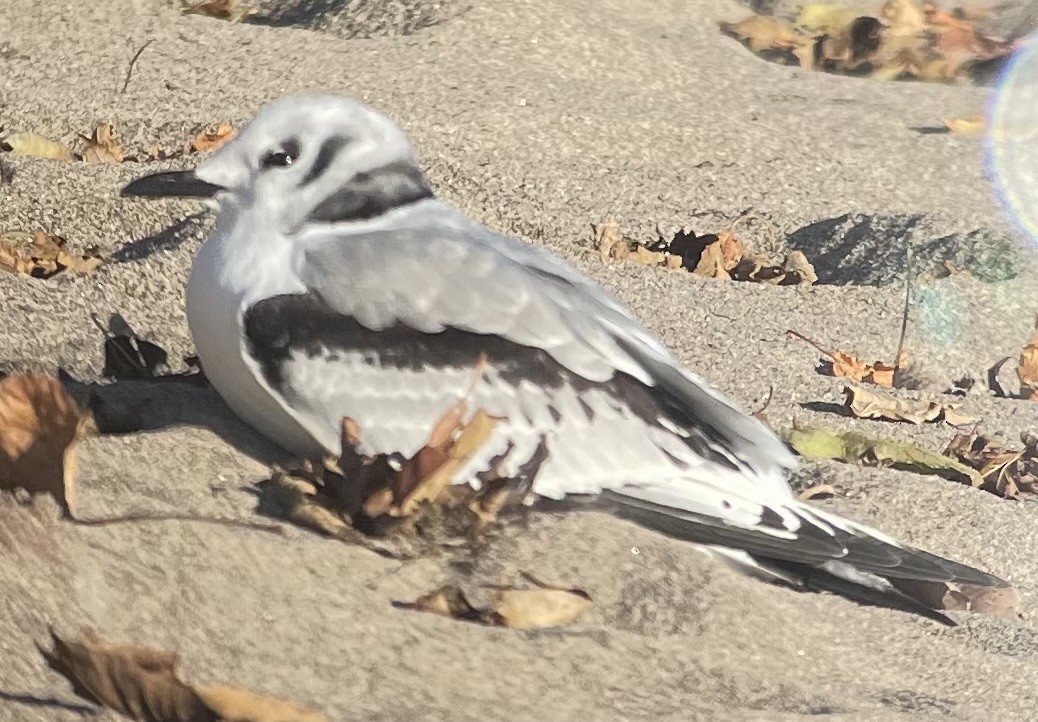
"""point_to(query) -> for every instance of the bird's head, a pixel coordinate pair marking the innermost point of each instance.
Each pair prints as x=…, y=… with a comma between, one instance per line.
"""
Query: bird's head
x=306, y=158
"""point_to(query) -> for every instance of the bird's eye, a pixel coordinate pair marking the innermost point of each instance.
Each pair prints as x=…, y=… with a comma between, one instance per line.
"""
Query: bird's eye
x=278, y=159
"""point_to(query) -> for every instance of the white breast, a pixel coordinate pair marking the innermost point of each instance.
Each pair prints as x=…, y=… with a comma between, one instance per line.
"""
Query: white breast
x=229, y=273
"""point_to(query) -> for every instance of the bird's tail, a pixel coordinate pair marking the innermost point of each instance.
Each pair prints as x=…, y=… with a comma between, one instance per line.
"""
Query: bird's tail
x=801, y=545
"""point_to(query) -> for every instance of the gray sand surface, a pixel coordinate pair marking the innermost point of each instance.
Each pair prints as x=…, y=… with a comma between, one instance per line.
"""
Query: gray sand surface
x=538, y=118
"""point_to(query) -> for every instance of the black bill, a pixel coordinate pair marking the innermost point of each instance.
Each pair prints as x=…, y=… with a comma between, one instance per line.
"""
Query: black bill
x=170, y=184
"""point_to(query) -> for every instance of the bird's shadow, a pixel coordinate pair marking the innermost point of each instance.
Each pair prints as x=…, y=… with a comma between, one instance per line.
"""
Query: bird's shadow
x=135, y=406
x=167, y=239
x=33, y=701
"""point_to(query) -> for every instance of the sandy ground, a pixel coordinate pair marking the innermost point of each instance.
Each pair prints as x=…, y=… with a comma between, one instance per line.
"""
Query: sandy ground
x=538, y=119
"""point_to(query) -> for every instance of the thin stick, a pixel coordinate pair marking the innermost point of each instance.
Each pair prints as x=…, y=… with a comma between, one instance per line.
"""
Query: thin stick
x=817, y=345
x=130, y=518
x=133, y=61
x=908, y=302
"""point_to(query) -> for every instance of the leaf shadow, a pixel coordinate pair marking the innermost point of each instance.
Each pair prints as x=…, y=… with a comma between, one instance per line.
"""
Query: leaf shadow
x=34, y=701
x=825, y=407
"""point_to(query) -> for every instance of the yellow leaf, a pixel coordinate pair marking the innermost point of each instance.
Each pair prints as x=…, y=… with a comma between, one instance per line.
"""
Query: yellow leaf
x=30, y=144
x=825, y=17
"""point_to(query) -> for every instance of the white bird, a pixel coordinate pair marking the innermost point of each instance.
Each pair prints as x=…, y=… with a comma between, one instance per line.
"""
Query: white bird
x=336, y=285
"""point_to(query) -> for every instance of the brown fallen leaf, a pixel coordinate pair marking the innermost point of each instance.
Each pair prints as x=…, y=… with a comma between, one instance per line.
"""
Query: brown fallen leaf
x=142, y=684
x=609, y=239
x=219, y=9
x=41, y=255
x=966, y=127
x=866, y=404
x=301, y=504
x=1006, y=472
x=538, y=608
x=511, y=607
x=39, y=426
x=1027, y=369
x=763, y=33
x=845, y=365
x=36, y=146
x=433, y=475
x=101, y=146
x=207, y=141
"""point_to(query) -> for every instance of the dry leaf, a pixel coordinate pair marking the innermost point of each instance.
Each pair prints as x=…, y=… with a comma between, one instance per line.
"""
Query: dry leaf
x=301, y=505
x=40, y=255
x=844, y=365
x=39, y=425
x=102, y=146
x=763, y=33
x=36, y=146
x=1005, y=472
x=798, y=270
x=435, y=475
x=964, y=126
x=142, y=684
x=219, y=9
x=209, y=141
x=1027, y=370
x=826, y=18
x=882, y=374
x=867, y=404
x=232, y=704
x=609, y=236
x=903, y=17
x=537, y=608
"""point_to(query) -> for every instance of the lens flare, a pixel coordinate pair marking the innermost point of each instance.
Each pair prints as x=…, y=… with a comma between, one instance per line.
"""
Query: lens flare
x=1012, y=138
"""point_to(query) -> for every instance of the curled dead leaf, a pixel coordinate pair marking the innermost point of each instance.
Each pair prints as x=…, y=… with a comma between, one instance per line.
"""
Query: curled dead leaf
x=39, y=426
x=963, y=126
x=142, y=684
x=539, y=608
x=36, y=146
x=101, y=146
x=41, y=255
x=1027, y=370
x=866, y=404
x=209, y=141
x=761, y=33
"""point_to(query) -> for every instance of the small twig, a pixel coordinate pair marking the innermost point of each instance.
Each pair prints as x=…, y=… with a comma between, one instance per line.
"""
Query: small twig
x=759, y=413
x=131, y=518
x=133, y=61
x=908, y=303
x=817, y=345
